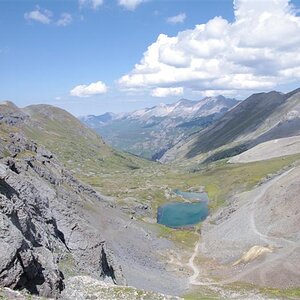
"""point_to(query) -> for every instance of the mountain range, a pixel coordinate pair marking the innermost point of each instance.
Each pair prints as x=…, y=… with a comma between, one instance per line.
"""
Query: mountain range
x=259, y=118
x=151, y=131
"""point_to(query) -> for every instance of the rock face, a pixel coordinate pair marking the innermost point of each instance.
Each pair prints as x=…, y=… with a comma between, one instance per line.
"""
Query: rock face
x=43, y=234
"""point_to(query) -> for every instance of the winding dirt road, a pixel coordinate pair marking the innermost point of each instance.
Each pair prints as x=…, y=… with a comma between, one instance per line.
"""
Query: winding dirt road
x=278, y=242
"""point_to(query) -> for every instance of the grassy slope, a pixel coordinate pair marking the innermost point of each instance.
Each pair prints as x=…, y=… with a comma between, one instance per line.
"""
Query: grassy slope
x=82, y=150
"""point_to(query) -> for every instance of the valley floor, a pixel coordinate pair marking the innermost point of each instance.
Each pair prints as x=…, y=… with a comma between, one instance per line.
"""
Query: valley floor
x=236, y=193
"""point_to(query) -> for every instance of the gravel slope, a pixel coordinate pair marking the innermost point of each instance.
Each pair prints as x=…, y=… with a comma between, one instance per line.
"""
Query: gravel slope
x=268, y=216
x=268, y=150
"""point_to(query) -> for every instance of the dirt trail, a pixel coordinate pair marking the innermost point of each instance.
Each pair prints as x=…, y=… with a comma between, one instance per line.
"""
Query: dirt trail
x=193, y=266
x=264, y=237
x=280, y=242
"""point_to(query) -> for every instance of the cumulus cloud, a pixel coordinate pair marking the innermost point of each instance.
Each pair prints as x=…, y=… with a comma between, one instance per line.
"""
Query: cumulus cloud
x=180, y=18
x=130, y=4
x=84, y=91
x=94, y=4
x=165, y=92
x=39, y=15
x=45, y=16
x=64, y=20
x=258, y=50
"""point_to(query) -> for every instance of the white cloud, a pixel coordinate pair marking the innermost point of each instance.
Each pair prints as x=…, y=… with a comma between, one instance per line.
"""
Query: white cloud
x=39, y=15
x=130, y=4
x=84, y=91
x=46, y=17
x=214, y=93
x=258, y=50
x=165, y=92
x=64, y=20
x=94, y=4
x=180, y=18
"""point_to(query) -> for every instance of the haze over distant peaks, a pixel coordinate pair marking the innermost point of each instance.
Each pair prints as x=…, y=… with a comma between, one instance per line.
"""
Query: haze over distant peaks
x=150, y=131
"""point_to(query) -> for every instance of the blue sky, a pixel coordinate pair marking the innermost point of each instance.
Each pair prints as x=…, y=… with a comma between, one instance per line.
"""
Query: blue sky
x=82, y=55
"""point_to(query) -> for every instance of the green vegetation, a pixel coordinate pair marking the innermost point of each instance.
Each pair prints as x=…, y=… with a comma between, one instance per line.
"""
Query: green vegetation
x=153, y=183
x=271, y=293
x=122, y=292
x=81, y=149
x=2, y=295
x=201, y=296
x=67, y=266
x=182, y=237
x=293, y=293
x=222, y=180
x=207, y=293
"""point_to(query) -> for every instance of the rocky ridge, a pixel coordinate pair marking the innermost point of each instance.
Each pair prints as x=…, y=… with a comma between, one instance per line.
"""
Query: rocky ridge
x=259, y=118
x=42, y=228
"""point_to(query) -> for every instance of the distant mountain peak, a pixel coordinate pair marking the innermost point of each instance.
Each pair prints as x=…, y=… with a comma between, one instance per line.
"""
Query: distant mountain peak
x=183, y=108
x=151, y=131
x=185, y=101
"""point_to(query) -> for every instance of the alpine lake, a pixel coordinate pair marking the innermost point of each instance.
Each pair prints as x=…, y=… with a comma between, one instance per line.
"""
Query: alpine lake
x=184, y=214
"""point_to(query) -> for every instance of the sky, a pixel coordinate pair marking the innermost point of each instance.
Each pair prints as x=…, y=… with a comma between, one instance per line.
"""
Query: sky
x=93, y=56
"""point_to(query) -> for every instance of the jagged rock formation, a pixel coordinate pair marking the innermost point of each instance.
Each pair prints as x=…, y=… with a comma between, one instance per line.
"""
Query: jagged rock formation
x=41, y=226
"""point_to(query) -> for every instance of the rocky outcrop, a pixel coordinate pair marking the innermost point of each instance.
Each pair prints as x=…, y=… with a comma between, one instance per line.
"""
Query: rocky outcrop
x=43, y=234
x=10, y=114
x=83, y=287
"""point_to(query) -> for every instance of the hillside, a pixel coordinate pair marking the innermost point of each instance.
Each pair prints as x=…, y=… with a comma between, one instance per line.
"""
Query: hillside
x=55, y=227
x=256, y=239
x=151, y=131
x=269, y=150
x=81, y=149
x=259, y=118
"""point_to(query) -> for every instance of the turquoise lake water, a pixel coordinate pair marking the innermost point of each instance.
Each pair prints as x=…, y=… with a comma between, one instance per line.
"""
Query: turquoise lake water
x=181, y=214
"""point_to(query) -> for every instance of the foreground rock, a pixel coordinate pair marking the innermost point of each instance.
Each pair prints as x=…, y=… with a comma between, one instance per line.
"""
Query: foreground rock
x=43, y=234
x=83, y=287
